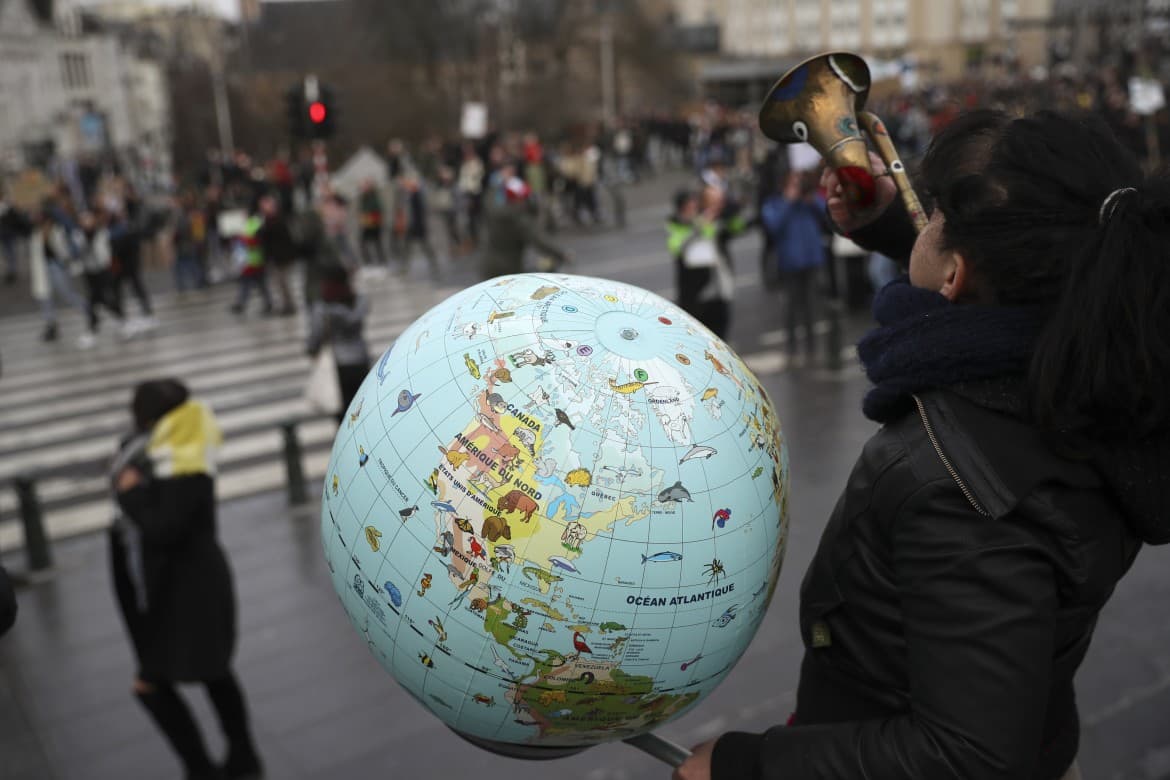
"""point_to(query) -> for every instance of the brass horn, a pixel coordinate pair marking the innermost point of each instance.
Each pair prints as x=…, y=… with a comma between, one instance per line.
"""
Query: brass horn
x=820, y=101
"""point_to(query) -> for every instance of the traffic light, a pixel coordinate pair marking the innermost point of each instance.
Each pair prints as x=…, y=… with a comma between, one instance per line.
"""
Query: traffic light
x=312, y=110
x=321, y=113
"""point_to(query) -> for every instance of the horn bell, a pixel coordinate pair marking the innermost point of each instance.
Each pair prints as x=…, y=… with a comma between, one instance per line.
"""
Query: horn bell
x=817, y=102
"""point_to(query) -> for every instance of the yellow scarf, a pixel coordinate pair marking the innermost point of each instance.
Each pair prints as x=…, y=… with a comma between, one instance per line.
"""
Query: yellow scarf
x=185, y=441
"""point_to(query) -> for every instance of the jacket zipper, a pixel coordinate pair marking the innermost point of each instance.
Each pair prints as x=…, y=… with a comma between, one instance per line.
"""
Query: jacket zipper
x=945, y=460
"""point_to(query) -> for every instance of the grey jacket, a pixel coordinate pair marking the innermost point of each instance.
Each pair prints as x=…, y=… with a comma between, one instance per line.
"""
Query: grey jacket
x=342, y=326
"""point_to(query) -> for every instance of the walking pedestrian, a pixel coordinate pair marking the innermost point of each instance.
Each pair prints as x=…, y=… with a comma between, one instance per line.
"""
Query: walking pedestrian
x=696, y=237
x=446, y=203
x=370, y=224
x=793, y=220
x=1019, y=376
x=511, y=229
x=470, y=187
x=417, y=232
x=190, y=239
x=93, y=242
x=51, y=269
x=248, y=252
x=171, y=577
x=279, y=251
x=126, y=266
x=339, y=320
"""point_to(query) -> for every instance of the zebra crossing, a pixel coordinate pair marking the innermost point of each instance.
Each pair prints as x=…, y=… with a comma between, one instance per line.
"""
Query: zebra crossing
x=62, y=410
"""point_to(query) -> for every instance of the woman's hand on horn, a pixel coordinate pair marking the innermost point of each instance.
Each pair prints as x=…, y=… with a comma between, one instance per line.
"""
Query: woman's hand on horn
x=848, y=217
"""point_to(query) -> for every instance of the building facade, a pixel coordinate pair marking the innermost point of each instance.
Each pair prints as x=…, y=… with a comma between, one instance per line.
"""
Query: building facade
x=67, y=96
x=943, y=37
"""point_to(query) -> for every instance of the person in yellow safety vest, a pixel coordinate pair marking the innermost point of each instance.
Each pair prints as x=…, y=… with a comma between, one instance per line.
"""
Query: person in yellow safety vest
x=249, y=259
x=696, y=236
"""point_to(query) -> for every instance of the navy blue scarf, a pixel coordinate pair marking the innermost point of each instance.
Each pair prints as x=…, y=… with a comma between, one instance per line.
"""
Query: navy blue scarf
x=924, y=342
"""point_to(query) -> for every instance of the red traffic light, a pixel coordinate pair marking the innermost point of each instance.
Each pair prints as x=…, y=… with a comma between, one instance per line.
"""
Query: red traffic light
x=317, y=112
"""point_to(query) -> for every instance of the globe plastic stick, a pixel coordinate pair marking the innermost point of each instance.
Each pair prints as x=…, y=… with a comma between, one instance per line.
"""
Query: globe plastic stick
x=663, y=749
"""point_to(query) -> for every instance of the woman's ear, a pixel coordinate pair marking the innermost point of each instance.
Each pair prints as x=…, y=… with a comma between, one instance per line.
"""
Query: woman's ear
x=957, y=282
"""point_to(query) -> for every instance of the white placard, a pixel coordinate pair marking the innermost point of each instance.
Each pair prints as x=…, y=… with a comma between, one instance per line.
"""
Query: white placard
x=475, y=120
x=1146, y=96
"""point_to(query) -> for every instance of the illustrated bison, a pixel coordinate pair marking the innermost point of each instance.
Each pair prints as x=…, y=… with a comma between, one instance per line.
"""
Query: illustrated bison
x=516, y=501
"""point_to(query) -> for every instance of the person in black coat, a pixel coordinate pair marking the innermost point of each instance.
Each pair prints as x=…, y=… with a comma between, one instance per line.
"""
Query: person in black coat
x=1019, y=375
x=7, y=602
x=171, y=577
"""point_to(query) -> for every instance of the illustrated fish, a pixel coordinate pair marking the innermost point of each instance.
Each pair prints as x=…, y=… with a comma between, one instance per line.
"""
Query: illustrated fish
x=372, y=537
x=454, y=572
x=464, y=525
x=680, y=357
x=675, y=493
x=406, y=400
x=544, y=292
x=426, y=660
x=662, y=557
x=490, y=701
x=579, y=478
x=382, y=373
x=759, y=470
x=628, y=387
x=408, y=513
x=562, y=563
x=472, y=366
x=709, y=393
x=502, y=375
x=424, y=584
x=394, y=593
x=563, y=419
x=438, y=626
x=727, y=616
x=699, y=451
x=720, y=517
x=442, y=506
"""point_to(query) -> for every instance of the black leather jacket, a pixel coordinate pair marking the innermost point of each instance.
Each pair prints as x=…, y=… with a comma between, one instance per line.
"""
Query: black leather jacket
x=951, y=600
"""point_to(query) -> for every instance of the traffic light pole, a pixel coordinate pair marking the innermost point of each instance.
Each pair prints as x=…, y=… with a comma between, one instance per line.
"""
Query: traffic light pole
x=223, y=111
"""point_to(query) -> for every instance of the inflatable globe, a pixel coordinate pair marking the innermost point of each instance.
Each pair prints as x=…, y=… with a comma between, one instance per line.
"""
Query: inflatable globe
x=556, y=511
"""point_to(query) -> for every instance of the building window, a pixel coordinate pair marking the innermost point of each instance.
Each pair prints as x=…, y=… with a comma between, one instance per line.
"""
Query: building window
x=75, y=73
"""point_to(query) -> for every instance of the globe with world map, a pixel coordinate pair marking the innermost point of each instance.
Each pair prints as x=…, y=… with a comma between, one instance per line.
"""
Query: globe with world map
x=556, y=510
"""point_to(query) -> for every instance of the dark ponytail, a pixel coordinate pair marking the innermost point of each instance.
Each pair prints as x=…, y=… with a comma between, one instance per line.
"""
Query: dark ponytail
x=1025, y=202
x=1102, y=365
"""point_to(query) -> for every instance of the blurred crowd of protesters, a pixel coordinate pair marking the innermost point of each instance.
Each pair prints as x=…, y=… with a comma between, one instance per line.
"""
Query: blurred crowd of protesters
x=89, y=238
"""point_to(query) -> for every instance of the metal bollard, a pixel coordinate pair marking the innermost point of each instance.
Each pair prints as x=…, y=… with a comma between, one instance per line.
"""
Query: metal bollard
x=36, y=544
x=292, y=463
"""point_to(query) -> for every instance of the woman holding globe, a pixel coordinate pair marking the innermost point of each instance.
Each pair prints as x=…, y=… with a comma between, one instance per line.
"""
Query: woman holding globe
x=1019, y=376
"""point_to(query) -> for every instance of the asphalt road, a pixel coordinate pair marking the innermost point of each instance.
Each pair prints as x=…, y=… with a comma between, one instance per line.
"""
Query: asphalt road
x=322, y=707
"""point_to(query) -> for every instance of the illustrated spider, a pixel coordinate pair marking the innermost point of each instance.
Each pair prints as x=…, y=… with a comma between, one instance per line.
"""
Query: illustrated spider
x=714, y=570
